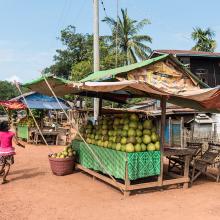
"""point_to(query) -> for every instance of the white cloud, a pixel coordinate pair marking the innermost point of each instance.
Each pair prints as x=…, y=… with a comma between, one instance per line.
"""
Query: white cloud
x=14, y=78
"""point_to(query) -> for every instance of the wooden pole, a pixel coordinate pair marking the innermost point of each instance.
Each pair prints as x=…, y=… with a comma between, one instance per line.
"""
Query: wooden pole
x=162, y=138
x=100, y=106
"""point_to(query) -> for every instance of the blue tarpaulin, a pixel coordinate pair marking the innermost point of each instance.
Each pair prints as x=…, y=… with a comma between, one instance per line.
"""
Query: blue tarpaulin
x=39, y=101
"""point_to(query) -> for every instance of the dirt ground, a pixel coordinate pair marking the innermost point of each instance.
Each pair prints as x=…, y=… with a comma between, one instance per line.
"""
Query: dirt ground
x=34, y=193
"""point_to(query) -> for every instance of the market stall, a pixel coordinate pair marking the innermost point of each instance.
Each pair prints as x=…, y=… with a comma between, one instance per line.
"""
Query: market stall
x=45, y=110
x=90, y=152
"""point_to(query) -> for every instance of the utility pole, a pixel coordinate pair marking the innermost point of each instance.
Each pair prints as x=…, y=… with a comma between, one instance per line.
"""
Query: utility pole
x=96, y=50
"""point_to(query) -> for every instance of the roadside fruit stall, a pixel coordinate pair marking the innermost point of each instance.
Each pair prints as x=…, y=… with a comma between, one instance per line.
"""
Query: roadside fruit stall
x=102, y=142
x=127, y=146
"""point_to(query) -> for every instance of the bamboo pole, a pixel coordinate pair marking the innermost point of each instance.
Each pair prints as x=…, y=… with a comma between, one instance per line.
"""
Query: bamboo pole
x=88, y=147
x=32, y=115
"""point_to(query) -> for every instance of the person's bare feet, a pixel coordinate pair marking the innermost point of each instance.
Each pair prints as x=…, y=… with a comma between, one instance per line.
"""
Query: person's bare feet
x=2, y=173
x=5, y=181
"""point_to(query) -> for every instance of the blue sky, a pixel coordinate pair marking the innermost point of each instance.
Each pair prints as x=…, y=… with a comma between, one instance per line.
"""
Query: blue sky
x=29, y=28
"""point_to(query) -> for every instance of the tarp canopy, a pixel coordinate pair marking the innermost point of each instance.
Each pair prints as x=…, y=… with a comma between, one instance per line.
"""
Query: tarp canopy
x=13, y=105
x=39, y=101
x=200, y=99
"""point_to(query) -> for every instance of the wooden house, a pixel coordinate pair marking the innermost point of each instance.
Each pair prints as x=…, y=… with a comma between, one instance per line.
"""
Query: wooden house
x=204, y=65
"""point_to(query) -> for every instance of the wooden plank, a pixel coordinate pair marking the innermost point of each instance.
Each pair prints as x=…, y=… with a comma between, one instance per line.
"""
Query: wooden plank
x=101, y=177
x=144, y=185
x=175, y=181
x=186, y=170
x=127, y=181
x=177, y=152
x=132, y=187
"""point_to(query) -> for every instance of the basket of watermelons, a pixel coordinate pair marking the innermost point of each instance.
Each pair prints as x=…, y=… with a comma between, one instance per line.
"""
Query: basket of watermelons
x=62, y=163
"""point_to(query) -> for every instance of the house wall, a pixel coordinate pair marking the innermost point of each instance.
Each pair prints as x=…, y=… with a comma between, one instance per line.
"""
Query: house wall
x=210, y=65
x=216, y=119
x=165, y=75
x=201, y=130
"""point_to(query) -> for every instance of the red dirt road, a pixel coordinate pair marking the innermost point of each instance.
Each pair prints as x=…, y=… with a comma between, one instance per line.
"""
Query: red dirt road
x=34, y=193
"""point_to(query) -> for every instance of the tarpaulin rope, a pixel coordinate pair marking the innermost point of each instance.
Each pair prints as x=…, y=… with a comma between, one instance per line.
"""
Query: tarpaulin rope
x=32, y=115
x=89, y=148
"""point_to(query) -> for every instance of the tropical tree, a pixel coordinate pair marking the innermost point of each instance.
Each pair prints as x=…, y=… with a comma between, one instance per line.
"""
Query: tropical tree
x=204, y=39
x=77, y=48
x=125, y=36
x=7, y=90
x=75, y=60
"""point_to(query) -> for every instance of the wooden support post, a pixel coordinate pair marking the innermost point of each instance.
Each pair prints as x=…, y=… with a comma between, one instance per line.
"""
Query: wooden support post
x=162, y=139
x=186, y=171
x=127, y=181
x=100, y=106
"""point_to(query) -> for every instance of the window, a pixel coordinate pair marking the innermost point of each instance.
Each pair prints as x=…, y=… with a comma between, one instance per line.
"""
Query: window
x=185, y=61
x=202, y=74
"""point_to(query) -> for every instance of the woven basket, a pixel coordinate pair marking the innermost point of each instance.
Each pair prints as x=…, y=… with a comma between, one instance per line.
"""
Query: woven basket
x=61, y=166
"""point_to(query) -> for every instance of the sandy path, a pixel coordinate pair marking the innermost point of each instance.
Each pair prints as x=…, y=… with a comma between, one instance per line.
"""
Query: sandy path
x=34, y=193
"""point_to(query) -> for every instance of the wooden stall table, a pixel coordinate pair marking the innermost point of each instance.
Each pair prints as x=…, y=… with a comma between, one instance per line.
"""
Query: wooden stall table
x=130, y=167
x=45, y=134
x=179, y=152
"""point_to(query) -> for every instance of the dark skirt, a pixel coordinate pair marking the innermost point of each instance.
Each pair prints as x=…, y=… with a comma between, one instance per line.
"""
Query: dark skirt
x=6, y=159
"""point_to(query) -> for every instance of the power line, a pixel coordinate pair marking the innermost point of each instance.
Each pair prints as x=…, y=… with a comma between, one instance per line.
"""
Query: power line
x=63, y=13
x=116, y=29
x=80, y=12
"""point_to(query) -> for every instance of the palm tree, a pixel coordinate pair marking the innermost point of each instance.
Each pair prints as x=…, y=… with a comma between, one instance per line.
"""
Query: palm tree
x=204, y=39
x=126, y=38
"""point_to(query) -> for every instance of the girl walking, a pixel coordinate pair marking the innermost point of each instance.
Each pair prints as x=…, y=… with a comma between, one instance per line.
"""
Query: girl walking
x=7, y=151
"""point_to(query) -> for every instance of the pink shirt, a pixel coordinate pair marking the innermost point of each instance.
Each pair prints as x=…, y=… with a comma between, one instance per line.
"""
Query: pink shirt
x=6, y=143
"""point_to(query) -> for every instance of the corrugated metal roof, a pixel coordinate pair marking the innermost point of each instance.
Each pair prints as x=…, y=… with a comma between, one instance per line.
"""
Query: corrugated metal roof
x=187, y=53
x=202, y=119
x=105, y=74
x=110, y=74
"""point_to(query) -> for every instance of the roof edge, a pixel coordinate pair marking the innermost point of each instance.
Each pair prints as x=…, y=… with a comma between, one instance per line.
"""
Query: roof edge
x=124, y=69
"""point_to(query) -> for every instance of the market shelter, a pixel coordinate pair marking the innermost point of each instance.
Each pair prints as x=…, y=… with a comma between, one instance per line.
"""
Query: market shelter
x=36, y=100
x=131, y=89
x=43, y=105
x=202, y=99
